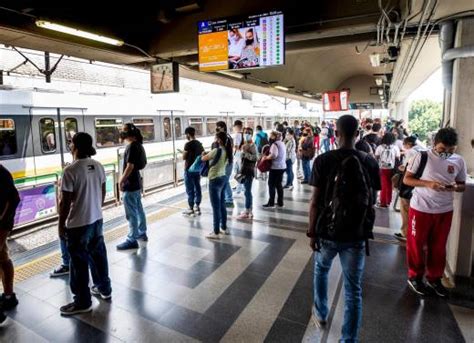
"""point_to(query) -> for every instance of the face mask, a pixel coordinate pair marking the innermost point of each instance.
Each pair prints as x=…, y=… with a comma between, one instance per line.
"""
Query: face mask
x=247, y=137
x=443, y=155
x=249, y=41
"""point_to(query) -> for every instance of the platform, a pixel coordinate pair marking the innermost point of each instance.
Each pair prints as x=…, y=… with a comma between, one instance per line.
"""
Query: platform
x=254, y=285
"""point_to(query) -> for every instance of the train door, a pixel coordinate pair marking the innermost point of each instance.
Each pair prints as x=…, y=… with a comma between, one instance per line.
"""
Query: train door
x=71, y=121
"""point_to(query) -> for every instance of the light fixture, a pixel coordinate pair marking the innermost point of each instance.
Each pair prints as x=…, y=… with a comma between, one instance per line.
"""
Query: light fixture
x=380, y=91
x=281, y=88
x=231, y=74
x=375, y=60
x=378, y=81
x=78, y=33
x=308, y=95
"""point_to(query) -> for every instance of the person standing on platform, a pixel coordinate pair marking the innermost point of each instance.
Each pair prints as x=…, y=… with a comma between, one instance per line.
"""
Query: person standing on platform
x=249, y=158
x=275, y=178
x=228, y=198
x=387, y=155
x=131, y=185
x=219, y=157
x=431, y=211
x=9, y=200
x=192, y=180
x=324, y=137
x=347, y=235
x=80, y=224
x=290, y=145
x=238, y=142
x=306, y=152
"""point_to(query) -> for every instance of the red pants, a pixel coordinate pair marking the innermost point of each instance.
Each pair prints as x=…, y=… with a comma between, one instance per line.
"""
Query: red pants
x=426, y=243
x=386, y=191
x=316, y=143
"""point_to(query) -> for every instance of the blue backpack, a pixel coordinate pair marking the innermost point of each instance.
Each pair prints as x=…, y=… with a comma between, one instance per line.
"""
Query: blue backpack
x=202, y=167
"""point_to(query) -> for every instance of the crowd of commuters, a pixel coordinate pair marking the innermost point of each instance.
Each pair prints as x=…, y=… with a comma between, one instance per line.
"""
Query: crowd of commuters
x=354, y=161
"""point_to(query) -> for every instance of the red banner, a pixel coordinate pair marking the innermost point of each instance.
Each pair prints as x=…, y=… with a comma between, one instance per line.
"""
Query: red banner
x=336, y=101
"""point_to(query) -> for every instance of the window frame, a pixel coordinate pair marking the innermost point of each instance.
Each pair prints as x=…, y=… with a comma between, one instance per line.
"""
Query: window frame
x=41, y=136
x=180, y=136
x=117, y=126
x=65, y=132
x=170, y=138
x=152, y=123
x=191, y=122
x=15, y=136
x=214, y=121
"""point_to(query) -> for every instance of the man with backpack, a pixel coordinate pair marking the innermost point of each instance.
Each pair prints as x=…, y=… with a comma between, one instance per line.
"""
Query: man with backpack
x=341, y=219
x=130, y=184
x=388, y=156
x=306, y=151
x=192, y=180
x=431, y=210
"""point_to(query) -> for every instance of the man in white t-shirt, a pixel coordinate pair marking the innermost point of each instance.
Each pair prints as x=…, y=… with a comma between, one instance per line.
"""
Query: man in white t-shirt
x=80, y=224
x=238, y=142
x=431, y=211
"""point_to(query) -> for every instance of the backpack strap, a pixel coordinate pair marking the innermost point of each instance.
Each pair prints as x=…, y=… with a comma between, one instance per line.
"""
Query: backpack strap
x=421, y=167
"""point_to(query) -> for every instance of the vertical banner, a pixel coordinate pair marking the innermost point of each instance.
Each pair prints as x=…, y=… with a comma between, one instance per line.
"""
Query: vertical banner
x=336, y=101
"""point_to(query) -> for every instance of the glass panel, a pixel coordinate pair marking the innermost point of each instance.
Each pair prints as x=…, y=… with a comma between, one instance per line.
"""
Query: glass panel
x=47, y=135
x=147, y=128
x=167, y=128
x=107, y=132
x=7, y=137
x=211, y=126
x=251, y=123
x=70, y=129
x=197, y=124
x=268, y=123
x=177, y=128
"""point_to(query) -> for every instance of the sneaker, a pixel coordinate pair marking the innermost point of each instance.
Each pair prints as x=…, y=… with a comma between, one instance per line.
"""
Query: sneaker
x=127, y=245
x=280, y=206
x=72, y=308
x=438, y=288
x=243, y=215
x=250, y=215
x=224, y=232
x=213, y=235
x=143, y=238
x=268, y=206
x=60, y=271
x=189, y=213
x=286, y=186
x=8, y=303
x=197, y=211
x=95, y=291
x=400, y=237
x=320, y=323
x=229, y=204
x=379, y=205
x=417, y=286
x=290, y=188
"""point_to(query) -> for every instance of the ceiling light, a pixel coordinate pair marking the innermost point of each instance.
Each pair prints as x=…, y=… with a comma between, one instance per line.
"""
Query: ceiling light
x=380, y=91
x=78, y=33
x=281, y=88
x=308, y=95
x=231, y=74
x=375, y=60
x=378, y=81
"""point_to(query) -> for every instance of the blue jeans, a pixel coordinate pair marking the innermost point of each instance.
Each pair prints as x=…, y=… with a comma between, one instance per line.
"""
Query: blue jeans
x=192, y=182
x=227, y=189
x=306, y=169
x=87, y=249
x=352, y=257
x=65, y=258
x=216, y=193
x=132, y=201
x=290, y=176
x=326, y=144
x=248, y=193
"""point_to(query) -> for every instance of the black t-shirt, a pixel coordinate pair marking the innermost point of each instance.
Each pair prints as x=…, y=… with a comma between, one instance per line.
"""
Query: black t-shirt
x=364, y=146
x=373, y=138
x=8, y=194
x=134, y=155
x=193, y=149
x=325, y=163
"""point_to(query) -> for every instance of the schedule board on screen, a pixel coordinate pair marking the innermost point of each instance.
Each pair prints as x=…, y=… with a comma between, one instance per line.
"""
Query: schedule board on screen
x=255, y=41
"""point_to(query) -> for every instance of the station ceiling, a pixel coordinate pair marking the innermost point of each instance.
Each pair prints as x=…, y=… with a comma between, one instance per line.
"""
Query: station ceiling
x=328, y=43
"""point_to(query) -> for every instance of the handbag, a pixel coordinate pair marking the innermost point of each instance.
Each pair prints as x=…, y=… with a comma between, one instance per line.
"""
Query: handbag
x=206, y=166
x=196, y=166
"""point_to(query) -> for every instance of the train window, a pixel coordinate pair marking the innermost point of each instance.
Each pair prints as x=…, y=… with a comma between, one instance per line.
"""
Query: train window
x=197, y=124
x=167, y=128
x=70, y=129
x=268, y=123
x=107, y=132
x=211, y=126
x=47, y=135
x=147, y=128
x=177, y=128
x=7, y=137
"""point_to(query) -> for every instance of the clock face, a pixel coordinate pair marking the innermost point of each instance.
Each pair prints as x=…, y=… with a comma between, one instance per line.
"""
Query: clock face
x=162, y=78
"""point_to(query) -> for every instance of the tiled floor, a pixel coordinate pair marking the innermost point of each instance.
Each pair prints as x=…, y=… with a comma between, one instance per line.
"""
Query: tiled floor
x=254, y=285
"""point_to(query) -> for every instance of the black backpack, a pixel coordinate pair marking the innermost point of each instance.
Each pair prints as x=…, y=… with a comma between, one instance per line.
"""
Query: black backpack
x=348, y=213
x=405, y=191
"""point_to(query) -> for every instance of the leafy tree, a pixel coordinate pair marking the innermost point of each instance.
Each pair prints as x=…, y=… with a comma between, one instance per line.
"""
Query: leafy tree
x=425, y=117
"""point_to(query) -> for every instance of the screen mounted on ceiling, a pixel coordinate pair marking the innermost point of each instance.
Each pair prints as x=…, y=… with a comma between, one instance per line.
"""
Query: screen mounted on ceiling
x=255, y=41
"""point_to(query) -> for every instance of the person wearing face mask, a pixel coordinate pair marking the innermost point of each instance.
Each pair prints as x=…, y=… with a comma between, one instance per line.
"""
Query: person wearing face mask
x=431, y=211
x=278, y=157
x=249, y=158
x=250, y=53
x=131, y=184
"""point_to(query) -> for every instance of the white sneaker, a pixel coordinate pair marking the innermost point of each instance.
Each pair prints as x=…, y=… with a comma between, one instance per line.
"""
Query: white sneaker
x=224, y=232
x=188, y=212
x=213, y=235
x=290, y=188
x=243, y=215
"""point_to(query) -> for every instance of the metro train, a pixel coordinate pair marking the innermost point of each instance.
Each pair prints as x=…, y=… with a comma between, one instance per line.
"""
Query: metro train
x=36, y=126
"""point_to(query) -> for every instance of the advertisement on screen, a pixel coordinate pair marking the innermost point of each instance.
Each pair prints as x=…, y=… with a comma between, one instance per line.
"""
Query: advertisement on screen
x=240, y=43
x=36, y=203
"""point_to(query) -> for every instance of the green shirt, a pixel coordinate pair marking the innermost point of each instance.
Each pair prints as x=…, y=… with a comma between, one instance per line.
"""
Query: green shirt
x=218, y=169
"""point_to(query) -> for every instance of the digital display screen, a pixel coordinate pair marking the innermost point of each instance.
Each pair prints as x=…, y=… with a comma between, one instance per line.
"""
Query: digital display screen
x=255, y=41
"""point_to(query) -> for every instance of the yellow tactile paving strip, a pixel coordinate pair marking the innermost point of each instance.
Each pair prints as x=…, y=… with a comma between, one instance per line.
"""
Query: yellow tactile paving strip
x=51, y=261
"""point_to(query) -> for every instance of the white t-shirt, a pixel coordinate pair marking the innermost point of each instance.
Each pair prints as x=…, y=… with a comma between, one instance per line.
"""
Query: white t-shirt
x=84, y=178
x=393, y=151
x=411, y=153
x=399, y=144
x=444, y=171
x=324, y=133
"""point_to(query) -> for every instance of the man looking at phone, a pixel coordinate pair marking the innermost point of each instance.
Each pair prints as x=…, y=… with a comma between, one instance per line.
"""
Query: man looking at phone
x=431, y=211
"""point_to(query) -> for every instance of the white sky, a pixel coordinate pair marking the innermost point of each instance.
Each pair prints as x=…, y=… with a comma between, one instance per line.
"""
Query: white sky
x=431, y=89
